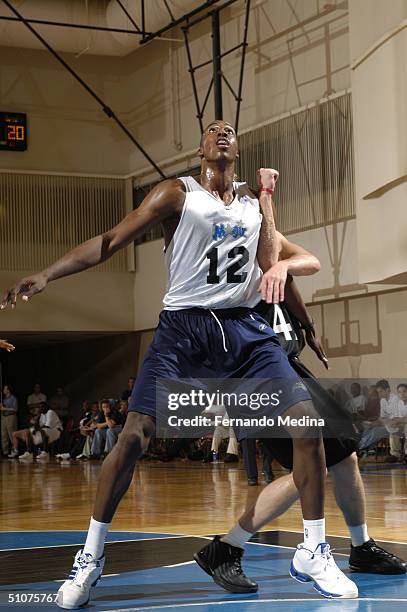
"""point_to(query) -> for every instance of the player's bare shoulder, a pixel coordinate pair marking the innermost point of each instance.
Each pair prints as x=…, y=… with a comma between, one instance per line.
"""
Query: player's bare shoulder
x=168, y=195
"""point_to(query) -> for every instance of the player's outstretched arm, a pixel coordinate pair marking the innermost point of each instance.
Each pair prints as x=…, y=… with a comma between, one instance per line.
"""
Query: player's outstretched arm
x=163, y=201
x=293, y=260
x=296, y=306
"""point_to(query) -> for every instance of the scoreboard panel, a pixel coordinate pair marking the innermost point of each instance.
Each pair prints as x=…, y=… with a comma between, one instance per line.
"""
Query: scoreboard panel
x=13, y=131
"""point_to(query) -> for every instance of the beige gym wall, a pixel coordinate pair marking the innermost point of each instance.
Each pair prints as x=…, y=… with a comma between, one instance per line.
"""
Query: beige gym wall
x=293, y=59
x=378, y=48
x=151, y=91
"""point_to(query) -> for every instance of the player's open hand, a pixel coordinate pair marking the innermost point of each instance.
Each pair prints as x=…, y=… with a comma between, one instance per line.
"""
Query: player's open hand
x=267, y=178
x=273, y=283
x=7, y=346
x=27, y=287
x=315, y=344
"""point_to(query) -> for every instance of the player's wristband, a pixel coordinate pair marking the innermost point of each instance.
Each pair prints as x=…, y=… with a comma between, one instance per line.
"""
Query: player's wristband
x=267, y=190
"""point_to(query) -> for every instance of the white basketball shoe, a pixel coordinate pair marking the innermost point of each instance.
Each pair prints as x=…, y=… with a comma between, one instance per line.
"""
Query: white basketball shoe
x=319, y=567
x=85, y=573
x=26, y=458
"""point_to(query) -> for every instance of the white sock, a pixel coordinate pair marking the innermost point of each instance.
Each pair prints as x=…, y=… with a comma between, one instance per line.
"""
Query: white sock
x=314, y=533
x=95, y=540
x=358, y=534
x=237, y=536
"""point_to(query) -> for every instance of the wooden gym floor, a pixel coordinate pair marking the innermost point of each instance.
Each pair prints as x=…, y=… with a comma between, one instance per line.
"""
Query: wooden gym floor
x=45, y=511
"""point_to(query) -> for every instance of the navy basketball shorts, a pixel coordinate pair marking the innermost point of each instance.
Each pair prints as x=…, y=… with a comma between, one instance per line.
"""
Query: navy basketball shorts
x=198, y=344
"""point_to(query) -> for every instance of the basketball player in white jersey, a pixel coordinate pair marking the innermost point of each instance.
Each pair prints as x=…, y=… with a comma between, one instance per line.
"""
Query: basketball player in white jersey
x=217, y=244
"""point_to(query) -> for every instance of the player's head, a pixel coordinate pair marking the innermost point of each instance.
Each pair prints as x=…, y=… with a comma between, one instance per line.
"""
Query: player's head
x=402, y=391
x=355, y=389
x=383, y=389
x=219, y=142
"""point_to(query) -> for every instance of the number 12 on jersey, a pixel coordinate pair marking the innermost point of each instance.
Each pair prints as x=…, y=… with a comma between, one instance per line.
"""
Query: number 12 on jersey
x=231, y=277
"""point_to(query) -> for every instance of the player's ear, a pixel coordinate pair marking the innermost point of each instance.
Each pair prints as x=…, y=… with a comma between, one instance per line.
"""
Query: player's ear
x=199, y=152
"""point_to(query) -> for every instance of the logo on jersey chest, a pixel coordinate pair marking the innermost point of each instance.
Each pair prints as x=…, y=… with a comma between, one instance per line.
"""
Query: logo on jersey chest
x=222, y=230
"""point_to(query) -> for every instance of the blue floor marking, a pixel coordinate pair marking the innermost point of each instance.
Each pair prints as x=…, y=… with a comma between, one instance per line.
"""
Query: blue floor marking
x=186, y=588
x=32, y=539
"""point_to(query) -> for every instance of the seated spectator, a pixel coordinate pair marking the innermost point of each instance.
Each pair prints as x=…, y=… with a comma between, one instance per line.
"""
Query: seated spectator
x=372, y=410
x=107, y=432
x=36, y=398
x=59, y=402
x=357, y=403
x=389, y=413
x=402, y=393
x=123, y=408
x=45, y=429
x=77, y=449
x=8, y=409
x=127, y=392
x=88, y=429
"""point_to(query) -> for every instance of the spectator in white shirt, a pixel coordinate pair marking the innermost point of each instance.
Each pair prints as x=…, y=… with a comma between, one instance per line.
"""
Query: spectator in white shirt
x=357, y=403
x=390, y=413
x=36, y=398
x=45, y=429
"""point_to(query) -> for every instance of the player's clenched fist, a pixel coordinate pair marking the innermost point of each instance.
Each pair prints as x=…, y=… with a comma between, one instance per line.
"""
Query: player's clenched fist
x=267, y=178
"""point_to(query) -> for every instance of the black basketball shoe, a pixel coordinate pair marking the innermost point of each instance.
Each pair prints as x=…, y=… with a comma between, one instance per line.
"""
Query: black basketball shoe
x=372, y=559
x=223, y=563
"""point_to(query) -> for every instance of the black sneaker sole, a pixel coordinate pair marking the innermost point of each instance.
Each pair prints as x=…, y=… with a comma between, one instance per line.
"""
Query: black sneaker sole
x=388, y=571
x=232, y=588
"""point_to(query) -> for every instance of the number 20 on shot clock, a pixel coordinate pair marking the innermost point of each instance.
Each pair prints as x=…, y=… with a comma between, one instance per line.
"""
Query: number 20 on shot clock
x=13, y=131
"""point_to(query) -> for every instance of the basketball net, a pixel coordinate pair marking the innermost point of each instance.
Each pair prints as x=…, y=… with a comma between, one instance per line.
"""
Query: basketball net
x=355, y=363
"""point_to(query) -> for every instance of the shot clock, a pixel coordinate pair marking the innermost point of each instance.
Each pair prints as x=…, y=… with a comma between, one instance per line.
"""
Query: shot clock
x=13, y=131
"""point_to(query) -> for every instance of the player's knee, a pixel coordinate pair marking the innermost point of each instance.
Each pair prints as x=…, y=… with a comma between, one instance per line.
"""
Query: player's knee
x=309, y=443
x=136, y=434
x=347, y=467
x=131, y=442
x=304, y=422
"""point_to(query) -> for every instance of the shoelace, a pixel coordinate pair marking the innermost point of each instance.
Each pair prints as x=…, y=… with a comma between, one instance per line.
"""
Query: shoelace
x=326, y=556
x=375, y=548
x=80, y=564
x=236, y=562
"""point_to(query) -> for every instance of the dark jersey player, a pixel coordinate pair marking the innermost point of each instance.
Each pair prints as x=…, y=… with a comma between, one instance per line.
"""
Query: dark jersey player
x=219, y=238
x=221, y=559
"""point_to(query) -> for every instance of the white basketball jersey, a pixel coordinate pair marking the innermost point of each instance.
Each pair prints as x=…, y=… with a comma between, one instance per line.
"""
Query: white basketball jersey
x=211, y=260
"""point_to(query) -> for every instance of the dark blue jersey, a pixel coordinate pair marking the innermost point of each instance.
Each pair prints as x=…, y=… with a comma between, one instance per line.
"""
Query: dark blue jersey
x=286, y=326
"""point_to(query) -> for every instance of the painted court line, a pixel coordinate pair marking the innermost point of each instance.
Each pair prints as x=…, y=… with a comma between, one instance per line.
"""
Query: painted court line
x=251, y=602
x=330, y=535
x=110, y=542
